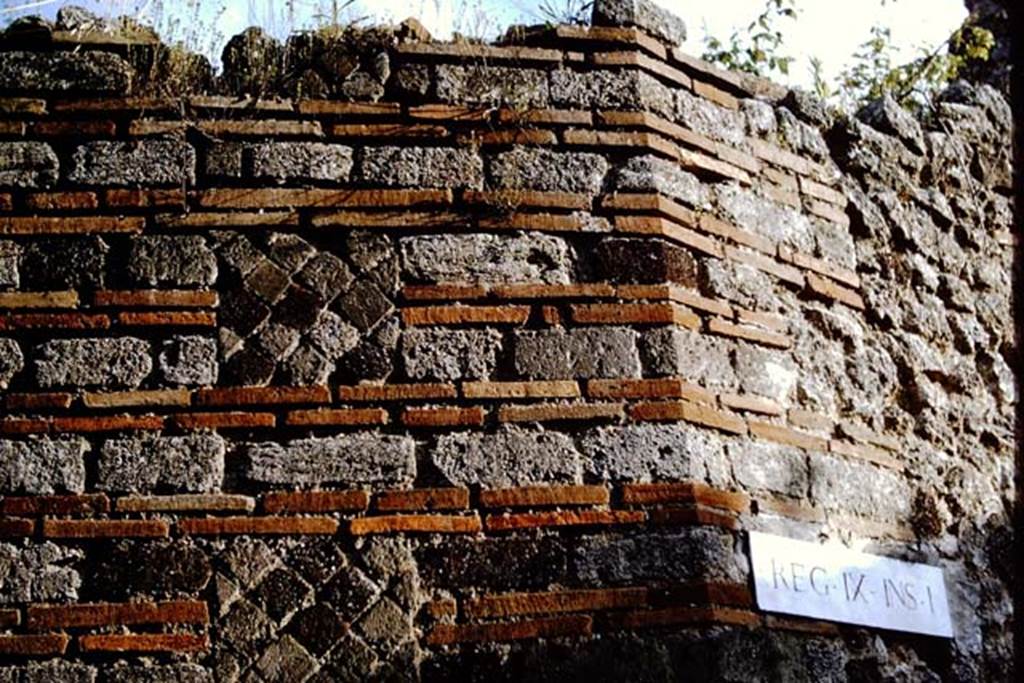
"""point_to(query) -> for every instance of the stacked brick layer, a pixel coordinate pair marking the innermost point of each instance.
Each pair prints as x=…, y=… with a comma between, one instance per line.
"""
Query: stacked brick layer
x=490, y=368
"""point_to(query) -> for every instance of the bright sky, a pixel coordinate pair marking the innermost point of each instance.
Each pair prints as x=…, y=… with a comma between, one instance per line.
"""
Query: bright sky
x=832, y=30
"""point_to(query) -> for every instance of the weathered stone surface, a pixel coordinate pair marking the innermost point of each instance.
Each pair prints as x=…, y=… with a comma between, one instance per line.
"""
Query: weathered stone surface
x=189, y=360
x=365, y=305
x=654, y=174
x=628, y=260
x=285, y=660
x=43, y=465
x=509, y=457
x=149, y=464
x=285, y=161
x=166, y=673
x=863, y=488
x=325, y=274
x=84, y=71
x=172, y=260
x=738, y=283
x=492, y=86
x=578, y=353
x=445, y=355
x=628, y=89
x=766, y=218
x=651, y=452
x=888, y=116
x=360, y=458
x=145, y=162
x=113, y=362
x=58, y=671
x=487, y=258
x=38, y=573
x=695, y=357
x=765, y=466
x=529, y=168
x=27, y=164
x=11, y=361
x=63, y=262
x=9, y=253
x=494, y=563
x=252, y=63
x=306, y=366
x=707, y=118
x=153, y=569
x=702, y=553
x=643, y=14
x=422, y=167
x=770, y=373
x=373, y=358
x=333, y=336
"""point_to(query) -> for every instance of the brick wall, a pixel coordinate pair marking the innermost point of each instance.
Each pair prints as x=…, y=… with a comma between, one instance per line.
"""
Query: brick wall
x=385, y=358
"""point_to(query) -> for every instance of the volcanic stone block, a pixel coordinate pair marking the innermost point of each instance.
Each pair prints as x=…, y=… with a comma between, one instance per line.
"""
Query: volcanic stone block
x=240, y=256
x=43, y=465
x=766, y=218
x=141, y=162
x=770, y=373
x=225, y=159
x=284, y=161
x=288, y=250
x=422, y=167
x=166, y=673
x=306, y=366
x=250, y=366
x=27, y=164
x=707, y=118
x=487, y=258
x=333, y=336
x=38, y=573
x=508, y=563
x=738, y=283
x=653, y=174
x=628, y=260
x=79, y=71
x=108, y=362
x=252, y=62
x=189, y=360
x=11, y=361
x=643, y=14
x=317, y=628
x=285, y=660
x=627, y=89
x=863, y=488
x=480, y=85
x=299, y=308
x=9, y=254
x=373, y=357
x=888, y=116
x=193, y=463
x=63, y=262
x=510, y=457
x=365, y=305
x=651, y=452
x=360, y=458
x=536, y=168
x=326, y=274
x=172, y=260
x=579, y=353
x=160, y=568
x=699, y=553
x=241, y=311
x=696, y=357
x=267, y=280
x=765, y=466
x=445, y=355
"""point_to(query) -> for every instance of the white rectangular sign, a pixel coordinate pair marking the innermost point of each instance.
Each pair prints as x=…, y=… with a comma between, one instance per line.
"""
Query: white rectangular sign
x=834, y=583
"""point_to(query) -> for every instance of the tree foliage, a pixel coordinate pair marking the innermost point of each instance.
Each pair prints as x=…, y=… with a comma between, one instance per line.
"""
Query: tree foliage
x=759, y=49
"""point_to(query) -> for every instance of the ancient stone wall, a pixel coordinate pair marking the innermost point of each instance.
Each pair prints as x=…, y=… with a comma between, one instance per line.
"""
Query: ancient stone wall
x=382, y=358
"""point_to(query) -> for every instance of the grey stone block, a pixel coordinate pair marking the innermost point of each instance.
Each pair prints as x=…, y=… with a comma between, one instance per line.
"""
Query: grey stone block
x=606, y=89
x=62, y=262
x=9, y=254
x=579, y=353
x=284, y=161
x=695, y=357
x=653, y=174
x=149, y=464
x=770, y=373
x=27, y=164
x=738, y=283
x=189, y=360
x=11, y=361
x=360, y=458
x=510, y=457
x=888, y=116
x=709, y=119
x=38, y=573
x=480, y=85
x=765, y=466
x=650, y=452
x=643, y=14
x=534, y=168
x=444, y=355
x=79, y=71
x=43, y=465
x=702, y=553
x=58, y=671
x=113, y=362
x=225, y=159
x=487, y=258
x=306, y=366
x=325, y=274
x=776, y=222
x=862, y=488
x=645, y=260
x=145, y=162
x=422, y=167
x=162, y=673
x=172, y=260
x=333, y=336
